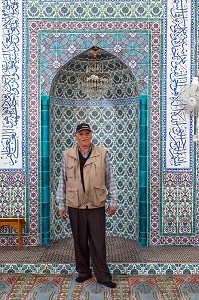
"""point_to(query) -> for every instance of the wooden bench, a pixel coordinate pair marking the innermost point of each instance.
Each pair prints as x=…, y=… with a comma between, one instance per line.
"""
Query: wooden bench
x=17, y=224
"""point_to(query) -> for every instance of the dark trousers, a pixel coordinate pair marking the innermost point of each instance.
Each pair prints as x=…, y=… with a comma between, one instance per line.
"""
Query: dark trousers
x=88, y=228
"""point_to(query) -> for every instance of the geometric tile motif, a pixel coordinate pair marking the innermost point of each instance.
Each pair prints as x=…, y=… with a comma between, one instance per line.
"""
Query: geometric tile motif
x=67, y=82
x=94, y=9
x=115, y=268
x=59, y=48
x=115, y=128
x=59, y=268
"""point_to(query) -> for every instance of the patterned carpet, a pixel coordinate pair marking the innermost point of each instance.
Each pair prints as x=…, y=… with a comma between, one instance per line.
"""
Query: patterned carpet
x=118, y=250
x=51, y=287
x=19, y=284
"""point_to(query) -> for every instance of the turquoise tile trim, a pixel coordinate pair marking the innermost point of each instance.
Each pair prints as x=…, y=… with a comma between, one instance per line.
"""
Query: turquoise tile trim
x=115, y=268
x=45, y=191
x=142, y=176
x=45, y=163
x=45, y=178
x=143, y=169
x=142, y=209
x=143, y=163
x=45, y=133
x=45, y=148
x=45, y=170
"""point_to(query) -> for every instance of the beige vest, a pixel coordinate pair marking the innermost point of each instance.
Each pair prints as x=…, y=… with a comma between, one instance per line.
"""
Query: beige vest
x=94, y=178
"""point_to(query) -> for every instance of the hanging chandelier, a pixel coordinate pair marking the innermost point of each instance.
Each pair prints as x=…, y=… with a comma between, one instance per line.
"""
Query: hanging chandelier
x=94, y=82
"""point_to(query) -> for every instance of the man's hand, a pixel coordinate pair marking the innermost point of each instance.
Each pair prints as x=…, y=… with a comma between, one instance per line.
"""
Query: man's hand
x=111, y=210
x=62, y=214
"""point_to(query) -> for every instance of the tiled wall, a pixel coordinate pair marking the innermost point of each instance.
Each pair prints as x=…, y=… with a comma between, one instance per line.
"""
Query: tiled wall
x=50, y=34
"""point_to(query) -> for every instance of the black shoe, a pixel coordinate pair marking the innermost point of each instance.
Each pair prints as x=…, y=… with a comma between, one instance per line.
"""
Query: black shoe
x=109, y=284
x=82, y=279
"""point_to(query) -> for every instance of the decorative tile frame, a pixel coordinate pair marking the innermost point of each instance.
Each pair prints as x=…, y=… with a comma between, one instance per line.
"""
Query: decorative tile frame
x=36, y=26
x=132, y=48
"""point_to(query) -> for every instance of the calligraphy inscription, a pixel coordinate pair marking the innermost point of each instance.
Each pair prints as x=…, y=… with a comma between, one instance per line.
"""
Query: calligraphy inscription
x=10, y=83
x=179, y=127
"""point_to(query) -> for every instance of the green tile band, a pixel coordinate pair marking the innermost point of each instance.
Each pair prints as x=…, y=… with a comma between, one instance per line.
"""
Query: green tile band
x=143, y=172
x=45, y=170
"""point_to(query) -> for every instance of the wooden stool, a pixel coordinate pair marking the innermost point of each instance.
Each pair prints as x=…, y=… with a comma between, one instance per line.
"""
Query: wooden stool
x=17, y=224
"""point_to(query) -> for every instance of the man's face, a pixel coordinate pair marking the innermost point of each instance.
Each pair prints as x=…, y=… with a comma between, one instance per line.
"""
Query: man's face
x=84, y=138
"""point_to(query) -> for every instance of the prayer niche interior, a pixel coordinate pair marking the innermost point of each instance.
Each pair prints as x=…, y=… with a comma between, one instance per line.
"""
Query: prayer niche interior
x=98, y=88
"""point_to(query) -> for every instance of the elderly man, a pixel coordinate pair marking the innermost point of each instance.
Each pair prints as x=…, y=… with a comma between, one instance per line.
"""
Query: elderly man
x=86, y=176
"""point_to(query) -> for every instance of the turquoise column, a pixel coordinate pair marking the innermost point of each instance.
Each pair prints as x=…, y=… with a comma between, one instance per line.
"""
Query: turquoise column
x=143, y=169
x=45, y=170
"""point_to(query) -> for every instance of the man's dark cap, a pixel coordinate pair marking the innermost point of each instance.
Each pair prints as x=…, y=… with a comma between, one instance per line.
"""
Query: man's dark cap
x=83, y=126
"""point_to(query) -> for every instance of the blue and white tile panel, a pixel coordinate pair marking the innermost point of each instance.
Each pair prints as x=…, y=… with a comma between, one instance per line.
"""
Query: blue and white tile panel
x=11, y=122
x=178, y=66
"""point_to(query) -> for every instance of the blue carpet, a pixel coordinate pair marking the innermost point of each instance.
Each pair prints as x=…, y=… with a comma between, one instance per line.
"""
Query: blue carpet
x=53, y=287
